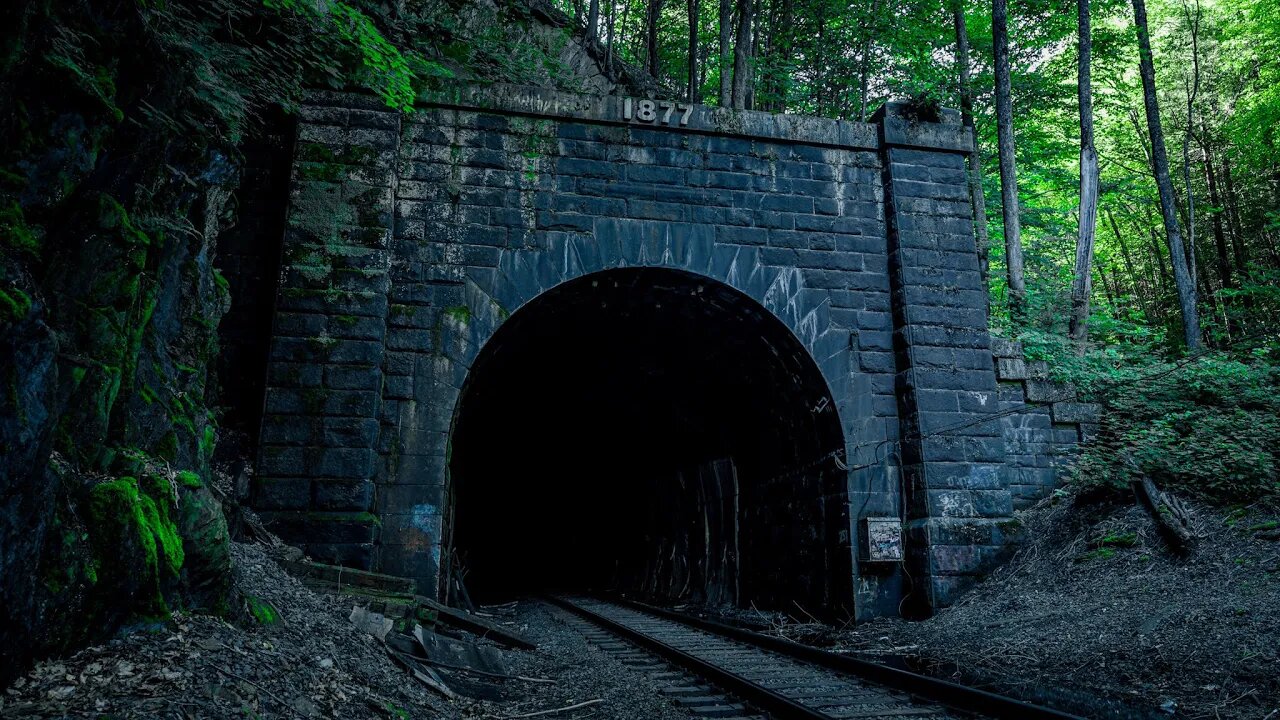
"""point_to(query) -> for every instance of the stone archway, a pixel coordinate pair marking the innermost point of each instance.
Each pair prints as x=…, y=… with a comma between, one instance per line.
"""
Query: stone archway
x=654, y=430
x=412, y=239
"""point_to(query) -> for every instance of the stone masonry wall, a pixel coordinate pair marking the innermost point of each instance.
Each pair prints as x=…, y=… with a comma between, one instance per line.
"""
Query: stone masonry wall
x=412, y=238
x=1045, y=424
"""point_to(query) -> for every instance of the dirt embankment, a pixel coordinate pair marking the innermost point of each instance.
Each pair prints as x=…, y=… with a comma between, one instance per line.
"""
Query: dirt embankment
x=1096, y=616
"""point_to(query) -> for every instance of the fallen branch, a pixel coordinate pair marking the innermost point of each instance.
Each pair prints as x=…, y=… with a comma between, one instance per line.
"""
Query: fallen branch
x=482, y=673
x=268, y=693
x=1171, y=517
x=426, y=676
x=555, y=711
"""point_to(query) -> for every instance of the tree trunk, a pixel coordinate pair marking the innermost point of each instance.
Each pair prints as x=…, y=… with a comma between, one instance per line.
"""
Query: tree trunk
x=608, y=58
x=1160, y=161
x=1219, y=232
x=1008, y=168
x=691, y=93
x=1193, y=91
x=593, y=19
x=1082, y=283
x=977, y=199
x=1239, y=252
x=1138, y=282
x=864, y=70
x=651, y=37
x=726, y=73
x=1110, y=287
x=742, y=55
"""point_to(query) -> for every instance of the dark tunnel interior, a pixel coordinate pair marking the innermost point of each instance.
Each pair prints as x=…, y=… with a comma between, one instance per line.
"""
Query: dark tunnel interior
x=650, y=431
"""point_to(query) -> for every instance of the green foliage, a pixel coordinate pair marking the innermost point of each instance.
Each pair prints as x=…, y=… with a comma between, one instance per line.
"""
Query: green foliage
x=1207, y=426
x=382, y=67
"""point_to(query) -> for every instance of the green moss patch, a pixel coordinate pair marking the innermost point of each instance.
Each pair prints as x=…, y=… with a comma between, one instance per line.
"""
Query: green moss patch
x=261, y=610
x=136, y=538
x=460, y=314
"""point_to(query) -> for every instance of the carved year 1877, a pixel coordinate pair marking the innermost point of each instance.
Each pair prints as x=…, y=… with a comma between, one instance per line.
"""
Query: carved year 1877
x=655, y=111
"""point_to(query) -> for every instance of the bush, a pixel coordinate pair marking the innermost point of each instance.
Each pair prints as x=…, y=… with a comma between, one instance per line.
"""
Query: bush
x=1206, y=426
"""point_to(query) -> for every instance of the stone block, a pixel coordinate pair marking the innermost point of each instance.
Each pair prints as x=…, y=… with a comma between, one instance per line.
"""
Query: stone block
x=955, y=559
x=414, y=561
x=281, y=493
x=1011, y=368
x=341, y=495
x=350, y=432
x=341, y=462
x=399, y=387
x=1077, y=412
x=400, y=498
x=290, y=431
x=349, y=377
x=322, y=527
x=1038, y=369
x=352, y=555
x=1088, y=432
x=1048, y=391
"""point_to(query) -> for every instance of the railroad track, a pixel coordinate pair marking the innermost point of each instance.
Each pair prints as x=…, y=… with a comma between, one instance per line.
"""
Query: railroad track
x=769, y=676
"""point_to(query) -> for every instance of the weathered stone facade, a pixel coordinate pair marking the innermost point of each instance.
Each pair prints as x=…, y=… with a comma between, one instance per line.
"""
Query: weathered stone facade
x=412, y=239
x=1044, y=424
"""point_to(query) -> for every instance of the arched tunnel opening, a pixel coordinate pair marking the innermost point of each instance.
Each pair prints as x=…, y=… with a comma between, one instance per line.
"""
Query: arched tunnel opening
x=654, y=432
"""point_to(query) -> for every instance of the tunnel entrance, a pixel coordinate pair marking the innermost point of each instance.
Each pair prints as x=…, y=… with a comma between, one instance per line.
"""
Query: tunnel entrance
x=652, y=431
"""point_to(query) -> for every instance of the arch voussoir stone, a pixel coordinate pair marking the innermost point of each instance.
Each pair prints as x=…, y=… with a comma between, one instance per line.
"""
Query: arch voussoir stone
x=814, y=220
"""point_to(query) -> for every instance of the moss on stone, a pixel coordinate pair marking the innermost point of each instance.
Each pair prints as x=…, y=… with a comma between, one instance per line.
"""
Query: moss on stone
x=460, y=314
x=208, y=441
x=16, y=234
x=261, y=610
x=358, y=518
x=113, y=216
x=14, y=305
x=132, y=522
x=190, y=479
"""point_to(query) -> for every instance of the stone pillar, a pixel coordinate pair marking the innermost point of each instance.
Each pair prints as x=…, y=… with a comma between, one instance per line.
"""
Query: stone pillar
x=324, y=381
x=957, y=505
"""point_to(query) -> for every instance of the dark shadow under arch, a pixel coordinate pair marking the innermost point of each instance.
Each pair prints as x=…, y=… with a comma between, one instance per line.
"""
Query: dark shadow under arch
x=650, y=430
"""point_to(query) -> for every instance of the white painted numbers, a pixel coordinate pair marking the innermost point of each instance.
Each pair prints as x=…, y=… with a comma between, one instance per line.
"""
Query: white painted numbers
x=655, y=111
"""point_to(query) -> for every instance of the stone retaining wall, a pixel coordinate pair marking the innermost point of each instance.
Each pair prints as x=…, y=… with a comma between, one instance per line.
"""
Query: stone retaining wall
x=1047, y=426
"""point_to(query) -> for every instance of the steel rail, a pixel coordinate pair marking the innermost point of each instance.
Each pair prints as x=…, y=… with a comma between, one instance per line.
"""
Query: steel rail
x=764, y=699
x=943, y=692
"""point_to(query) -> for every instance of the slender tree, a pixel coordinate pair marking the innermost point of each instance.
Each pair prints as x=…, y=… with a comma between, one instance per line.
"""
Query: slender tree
x=868, y=26
x=1182, y=278
x=1081, y=284
x=608, y=58
x=691, y=92
x=977, y=198
x=1193, y=90
x=742, y=54
x=1239, y=252
x=726, y=66
x=1219, y=232
x=1008, y=169
x=593, y=21
x=651, y=36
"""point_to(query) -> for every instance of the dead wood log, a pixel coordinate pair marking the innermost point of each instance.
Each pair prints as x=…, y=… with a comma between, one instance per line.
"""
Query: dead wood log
x=465, y=621
x=1172, y=518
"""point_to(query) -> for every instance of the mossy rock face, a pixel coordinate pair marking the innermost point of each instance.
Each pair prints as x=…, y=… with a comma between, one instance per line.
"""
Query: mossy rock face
x=158, y=544
x=137, y=543
x=206, y=576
